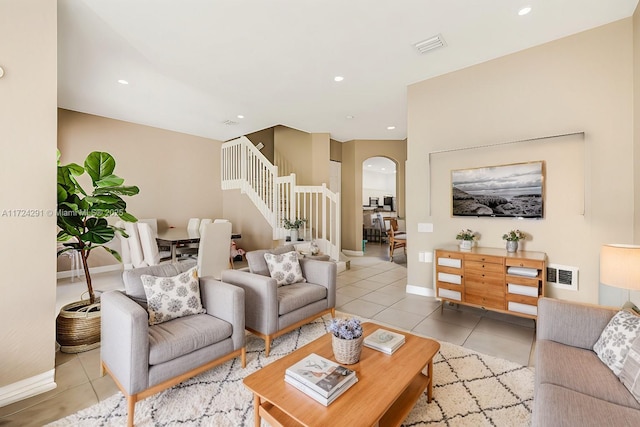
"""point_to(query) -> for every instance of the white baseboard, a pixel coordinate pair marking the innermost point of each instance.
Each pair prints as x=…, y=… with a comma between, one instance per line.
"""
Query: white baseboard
x=27, y=388
x=352, y=253
x=420, y=290
x=93, y=270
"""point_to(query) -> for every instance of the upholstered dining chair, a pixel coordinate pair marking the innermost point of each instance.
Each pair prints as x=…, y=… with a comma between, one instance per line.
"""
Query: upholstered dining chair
x=135, y=247
x=203, y=223
x=213, y=249
x=145, y=352
x=273, y=310
x=152, y=255
x=191, y=249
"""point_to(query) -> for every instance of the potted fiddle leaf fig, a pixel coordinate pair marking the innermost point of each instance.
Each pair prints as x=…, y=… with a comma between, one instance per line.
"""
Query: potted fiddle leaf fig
x=83, y=227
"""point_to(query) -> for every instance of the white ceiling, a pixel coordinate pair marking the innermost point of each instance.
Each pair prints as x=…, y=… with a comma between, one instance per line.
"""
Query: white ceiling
x=194, y=64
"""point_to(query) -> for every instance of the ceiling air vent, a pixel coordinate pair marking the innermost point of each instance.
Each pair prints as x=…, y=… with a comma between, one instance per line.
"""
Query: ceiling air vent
x=230, y=122
x=431, y=43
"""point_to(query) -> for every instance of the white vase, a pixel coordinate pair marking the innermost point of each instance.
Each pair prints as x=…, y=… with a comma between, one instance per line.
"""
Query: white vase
x=294, y=234
x=466, y=244
x=512, y=246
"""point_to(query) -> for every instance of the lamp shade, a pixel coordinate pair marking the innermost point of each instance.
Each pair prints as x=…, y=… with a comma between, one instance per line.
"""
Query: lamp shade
x=620, y=266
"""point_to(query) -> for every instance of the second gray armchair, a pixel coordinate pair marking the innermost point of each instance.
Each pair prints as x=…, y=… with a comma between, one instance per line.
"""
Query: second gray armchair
x=272, y=310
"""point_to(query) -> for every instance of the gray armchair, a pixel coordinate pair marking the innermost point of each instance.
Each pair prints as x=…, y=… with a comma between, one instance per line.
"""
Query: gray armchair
x=272, y=310
x=144, y=360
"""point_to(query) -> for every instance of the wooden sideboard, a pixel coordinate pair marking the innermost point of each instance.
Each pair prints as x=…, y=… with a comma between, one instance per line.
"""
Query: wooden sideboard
x=491, y=278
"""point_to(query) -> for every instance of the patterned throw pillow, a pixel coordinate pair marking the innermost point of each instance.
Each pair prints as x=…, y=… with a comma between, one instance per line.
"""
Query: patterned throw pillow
x=630, y=374
x=616, y=339
x=172, y=297
x=285, y=268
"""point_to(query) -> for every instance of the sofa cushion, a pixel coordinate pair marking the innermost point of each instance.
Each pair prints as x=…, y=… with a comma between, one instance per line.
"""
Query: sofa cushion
x=616, y=339
x=579, y=370
x=285, y=268
x=630, y=374
x=561, y=407
x=298, y=295
x=178, y=337
x=172, y=297
x=256, y=262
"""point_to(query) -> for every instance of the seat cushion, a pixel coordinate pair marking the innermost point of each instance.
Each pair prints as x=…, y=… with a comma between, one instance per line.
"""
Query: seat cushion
x=256, y=262
x=580, y=370
x=297, y=295
x=175, y=338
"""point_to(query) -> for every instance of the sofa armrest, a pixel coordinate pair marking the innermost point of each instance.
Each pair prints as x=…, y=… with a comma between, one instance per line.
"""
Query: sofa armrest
x=124, y=347
x=571, y=323
x=322, y=273
x=225, y=302
x=261, y=299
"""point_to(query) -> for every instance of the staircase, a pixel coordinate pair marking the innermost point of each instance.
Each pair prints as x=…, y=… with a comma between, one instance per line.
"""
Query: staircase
x=245, y=168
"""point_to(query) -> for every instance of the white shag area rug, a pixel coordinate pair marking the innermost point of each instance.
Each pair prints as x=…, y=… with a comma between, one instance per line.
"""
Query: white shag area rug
x=470, y=389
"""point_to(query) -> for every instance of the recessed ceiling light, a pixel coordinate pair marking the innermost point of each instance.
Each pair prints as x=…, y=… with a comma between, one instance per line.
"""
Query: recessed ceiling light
x=384, y=169
x=391, y=127
x=338, y=78
x=240, y=116
x=349, y=117
x=369, y=166
x=524, y=10
x=123, y=82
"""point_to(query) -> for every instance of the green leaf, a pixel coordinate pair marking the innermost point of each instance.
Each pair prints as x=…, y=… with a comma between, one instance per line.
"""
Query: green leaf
x=110, y=181
x=115, y=254
x=98, y=231
x=62, y=193
x=99, y=165
x=125, y=216
x=122, y=190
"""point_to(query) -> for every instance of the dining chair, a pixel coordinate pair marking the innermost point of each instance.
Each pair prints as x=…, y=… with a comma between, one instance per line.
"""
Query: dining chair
x=396, y=241
x=135, y=247
x=125, y=249
x=214, y=249
x=190, y=250
x=152, y=256
x=203, y=223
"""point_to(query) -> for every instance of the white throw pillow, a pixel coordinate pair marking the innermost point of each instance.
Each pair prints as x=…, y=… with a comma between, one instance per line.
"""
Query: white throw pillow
x=172, y=297
x=630, y=374
x=285, y=268
x=616, y=339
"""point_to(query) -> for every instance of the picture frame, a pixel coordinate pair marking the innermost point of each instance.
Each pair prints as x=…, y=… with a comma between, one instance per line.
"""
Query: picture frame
x=513, y=191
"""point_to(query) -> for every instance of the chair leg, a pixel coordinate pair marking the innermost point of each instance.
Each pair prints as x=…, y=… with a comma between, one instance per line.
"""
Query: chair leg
x=333, y=312
x=102, y=371
x=131, y=407
x=267, y=345
x=243, y=357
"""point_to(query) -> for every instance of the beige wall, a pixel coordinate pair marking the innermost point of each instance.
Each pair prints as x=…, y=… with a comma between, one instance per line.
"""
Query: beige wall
x=293, y=154
x=178, y=174
x=28, y=174
x=264, y=136
x=580, y=83
x=353, y=154
x=636, y=123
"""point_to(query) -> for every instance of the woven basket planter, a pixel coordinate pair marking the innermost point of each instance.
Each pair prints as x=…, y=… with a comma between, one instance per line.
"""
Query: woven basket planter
x=347, y=352
x=78, y=327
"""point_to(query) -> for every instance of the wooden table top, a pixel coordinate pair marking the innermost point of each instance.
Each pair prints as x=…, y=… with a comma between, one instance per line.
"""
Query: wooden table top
x=381, y=380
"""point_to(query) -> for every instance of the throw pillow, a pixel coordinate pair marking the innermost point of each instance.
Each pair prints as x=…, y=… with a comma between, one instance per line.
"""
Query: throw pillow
x=257, y=263
x=616, y=339
x=630, y=374
x=172, y=297
x=285, y=268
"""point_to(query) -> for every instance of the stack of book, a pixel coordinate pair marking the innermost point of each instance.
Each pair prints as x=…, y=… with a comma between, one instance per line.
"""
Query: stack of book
x=320, y=378
x=385, y=341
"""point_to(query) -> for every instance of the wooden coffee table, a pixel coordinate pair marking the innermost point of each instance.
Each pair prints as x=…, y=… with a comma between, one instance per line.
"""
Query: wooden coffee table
x=387, y=389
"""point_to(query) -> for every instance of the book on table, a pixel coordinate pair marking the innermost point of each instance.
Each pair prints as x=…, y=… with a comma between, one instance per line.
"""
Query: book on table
x=385, y=341
x=320, y=374
x=316, y=396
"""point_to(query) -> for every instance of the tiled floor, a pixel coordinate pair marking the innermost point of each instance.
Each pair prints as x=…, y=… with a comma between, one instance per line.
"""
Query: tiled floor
x=373, y=288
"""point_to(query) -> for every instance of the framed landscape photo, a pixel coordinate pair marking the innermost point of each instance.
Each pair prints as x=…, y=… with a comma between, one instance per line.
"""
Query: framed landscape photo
x=515, y=190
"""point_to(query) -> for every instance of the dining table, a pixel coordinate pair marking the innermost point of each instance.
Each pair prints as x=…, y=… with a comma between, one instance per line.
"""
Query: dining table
x=174, y=237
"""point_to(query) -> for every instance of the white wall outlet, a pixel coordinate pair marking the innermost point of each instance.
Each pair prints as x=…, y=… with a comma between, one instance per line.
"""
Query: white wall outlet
x=425, y=227
x=425, y=256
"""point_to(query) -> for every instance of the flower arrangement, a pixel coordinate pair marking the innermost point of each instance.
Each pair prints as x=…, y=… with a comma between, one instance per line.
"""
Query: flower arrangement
x=347, y=329
x=295, y=224
x=514, y=236
x=466, y=235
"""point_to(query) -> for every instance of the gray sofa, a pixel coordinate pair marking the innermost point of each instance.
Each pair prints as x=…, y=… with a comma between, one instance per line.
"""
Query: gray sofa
x=273, y=310
x=144, y=359
x=572, y=386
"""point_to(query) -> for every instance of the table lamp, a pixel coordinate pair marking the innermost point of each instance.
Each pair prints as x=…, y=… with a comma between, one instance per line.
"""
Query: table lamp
x=620, y=266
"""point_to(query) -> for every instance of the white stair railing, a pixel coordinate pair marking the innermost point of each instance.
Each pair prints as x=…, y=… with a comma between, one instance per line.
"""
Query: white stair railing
x=245, y=168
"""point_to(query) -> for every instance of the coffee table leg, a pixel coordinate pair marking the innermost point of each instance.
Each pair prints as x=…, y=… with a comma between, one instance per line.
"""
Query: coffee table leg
x=430, y=386
x=256, y=410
